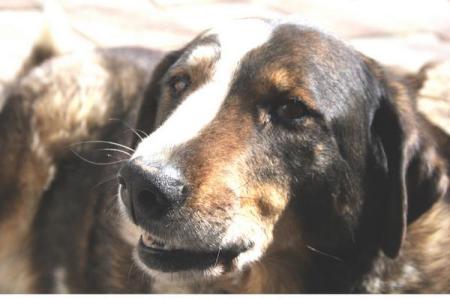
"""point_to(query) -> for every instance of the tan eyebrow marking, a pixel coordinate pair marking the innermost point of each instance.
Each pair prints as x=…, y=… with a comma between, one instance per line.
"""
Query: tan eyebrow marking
x=283, y=80
x=202, y=53
x=306, y=98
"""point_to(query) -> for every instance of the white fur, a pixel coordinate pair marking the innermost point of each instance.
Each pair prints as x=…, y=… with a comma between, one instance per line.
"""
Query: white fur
x=208, y=52
x=201, y=107
x=236, y=232
x=196, y=112
x=59, y=275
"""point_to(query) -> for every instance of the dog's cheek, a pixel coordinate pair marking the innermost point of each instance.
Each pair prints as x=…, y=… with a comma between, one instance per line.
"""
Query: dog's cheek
x=264, y=203
x=328, y=204
x=241, y=204
x=261, y=206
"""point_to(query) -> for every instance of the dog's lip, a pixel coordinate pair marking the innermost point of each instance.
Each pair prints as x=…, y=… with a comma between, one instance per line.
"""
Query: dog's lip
x=160, y=256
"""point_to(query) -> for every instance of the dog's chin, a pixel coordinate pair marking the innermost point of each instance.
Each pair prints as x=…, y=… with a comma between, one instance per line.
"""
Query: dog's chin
x=175, y=264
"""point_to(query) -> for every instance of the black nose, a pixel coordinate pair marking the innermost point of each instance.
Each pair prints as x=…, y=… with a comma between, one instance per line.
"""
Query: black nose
x=149, y=190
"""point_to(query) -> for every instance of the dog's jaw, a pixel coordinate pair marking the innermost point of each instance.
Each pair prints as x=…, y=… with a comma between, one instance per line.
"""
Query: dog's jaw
x=191, y=280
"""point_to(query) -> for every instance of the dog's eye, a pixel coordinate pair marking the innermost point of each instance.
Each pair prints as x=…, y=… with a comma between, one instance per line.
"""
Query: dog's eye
x=178, y=84
x=292, y=109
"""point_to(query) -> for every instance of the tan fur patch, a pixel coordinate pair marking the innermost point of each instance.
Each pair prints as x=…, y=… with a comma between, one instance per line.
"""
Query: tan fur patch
x=281, y=78
x=431, y=243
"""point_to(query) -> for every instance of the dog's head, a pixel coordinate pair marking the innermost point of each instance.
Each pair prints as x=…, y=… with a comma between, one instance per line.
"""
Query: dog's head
x=272, y=137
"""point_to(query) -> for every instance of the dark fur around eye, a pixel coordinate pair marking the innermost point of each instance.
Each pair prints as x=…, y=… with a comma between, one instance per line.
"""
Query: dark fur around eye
x=291, y=110
x=288, y=111
x=178, y=84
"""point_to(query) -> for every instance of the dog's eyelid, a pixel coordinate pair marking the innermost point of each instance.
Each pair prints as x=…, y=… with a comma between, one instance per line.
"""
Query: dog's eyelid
x=292, y=109
x=289, y=110
x=306, y=104
x=178, y=83
x=293, y=99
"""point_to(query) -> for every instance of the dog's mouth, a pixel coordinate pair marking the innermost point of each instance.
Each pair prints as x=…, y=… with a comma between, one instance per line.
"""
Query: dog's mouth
x=163, y=256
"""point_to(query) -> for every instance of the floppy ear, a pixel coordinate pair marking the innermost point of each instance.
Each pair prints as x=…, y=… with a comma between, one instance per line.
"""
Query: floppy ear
x=415, y=172
x=149, y=107
x=393, y=139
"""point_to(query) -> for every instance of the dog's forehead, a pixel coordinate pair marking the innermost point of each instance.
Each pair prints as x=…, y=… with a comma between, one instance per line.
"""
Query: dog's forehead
x=238, y=37
x=231, y=41
x=226, y=47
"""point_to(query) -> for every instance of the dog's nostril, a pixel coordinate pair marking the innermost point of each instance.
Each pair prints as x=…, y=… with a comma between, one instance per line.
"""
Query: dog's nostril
x=151, y=191
x=152, y=203
x=150, y=196
x=184, y=190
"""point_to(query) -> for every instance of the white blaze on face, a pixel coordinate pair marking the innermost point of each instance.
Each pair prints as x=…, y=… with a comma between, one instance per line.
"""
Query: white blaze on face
x=201, y=106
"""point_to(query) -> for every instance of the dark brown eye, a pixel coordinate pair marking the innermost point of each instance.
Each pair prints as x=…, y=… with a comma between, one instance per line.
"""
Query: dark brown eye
x=178, y=84
x=292, y=109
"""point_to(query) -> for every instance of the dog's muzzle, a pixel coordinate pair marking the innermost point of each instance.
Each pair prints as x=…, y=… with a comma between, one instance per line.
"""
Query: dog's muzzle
x=152, y=194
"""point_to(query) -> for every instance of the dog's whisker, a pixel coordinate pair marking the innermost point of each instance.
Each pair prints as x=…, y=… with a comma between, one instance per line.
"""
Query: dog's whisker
x=217, y=258
x=111, y=210
x=108, y=179
x=140, y=131
x=129, y=271
x=128, y=126
x=134, y=132
x=324, y=253
x=114, y=150
x=97, y=163
x=142, y=276
x=103, y=141
x=134, y=270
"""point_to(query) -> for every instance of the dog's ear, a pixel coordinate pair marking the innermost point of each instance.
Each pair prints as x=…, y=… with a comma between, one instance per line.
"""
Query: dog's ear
x=149, y=107
x=414, y=174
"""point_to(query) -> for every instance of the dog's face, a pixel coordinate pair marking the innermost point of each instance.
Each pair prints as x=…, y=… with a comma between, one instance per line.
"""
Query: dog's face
x=264, y=143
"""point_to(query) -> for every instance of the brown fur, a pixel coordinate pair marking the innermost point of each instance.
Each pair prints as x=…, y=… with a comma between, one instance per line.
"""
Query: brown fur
x=64, y=234
x=212, y=176
x=47, y=111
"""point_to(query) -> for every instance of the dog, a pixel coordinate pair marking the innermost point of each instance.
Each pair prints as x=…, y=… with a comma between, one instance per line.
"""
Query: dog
x=268, y=157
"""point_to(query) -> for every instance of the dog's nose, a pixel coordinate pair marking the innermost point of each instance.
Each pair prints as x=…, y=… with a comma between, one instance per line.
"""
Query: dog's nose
x=149, y=190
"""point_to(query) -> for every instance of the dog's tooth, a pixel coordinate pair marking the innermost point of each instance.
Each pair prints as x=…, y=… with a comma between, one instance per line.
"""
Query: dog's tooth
x=158, y=244
x=150, y=241
x=147, y=240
